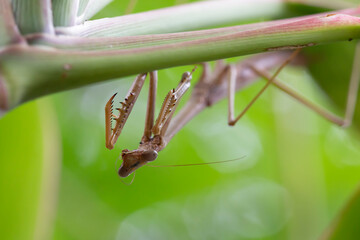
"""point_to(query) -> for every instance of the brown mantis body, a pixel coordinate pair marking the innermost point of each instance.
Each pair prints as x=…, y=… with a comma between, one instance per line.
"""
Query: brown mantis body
x=153, y=139
x=211, y=87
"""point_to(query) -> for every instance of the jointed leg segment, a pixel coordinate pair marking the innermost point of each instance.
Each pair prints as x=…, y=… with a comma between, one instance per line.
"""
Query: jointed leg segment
x=112, y=134
x=351, y=100
x=151, y=130
x=169, y=105
x=150, y=112
x=322, y=112
x=231, y=89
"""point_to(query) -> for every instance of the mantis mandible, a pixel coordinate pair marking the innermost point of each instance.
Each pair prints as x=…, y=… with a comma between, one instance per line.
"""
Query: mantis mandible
x=211, y=87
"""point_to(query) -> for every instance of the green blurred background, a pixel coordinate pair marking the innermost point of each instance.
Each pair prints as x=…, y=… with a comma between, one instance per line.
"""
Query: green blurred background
x=58, y=181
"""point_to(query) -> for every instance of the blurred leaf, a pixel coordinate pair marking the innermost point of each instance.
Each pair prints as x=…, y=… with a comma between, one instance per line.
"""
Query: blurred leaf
x=33, y=16
x=204, y=14
x=65, y=12
x=346, y=224
x=29, y=155
x=246, y=209
x=88, y=8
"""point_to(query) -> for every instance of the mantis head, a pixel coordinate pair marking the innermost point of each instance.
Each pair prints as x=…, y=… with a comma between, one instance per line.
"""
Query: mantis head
x=132, y=160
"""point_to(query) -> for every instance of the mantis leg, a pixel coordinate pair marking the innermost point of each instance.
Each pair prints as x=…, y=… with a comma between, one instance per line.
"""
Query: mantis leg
x=231, y=89
x=150, y=111
x=169, y=105
x=113, y=134
x=351, y=99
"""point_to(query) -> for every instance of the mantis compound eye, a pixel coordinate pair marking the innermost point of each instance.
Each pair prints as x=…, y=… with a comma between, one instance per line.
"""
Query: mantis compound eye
x=132, y=160
x=149, y=155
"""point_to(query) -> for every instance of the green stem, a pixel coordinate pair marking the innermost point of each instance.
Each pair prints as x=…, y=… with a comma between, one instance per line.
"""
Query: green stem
x=134, y=42
x=32, y=72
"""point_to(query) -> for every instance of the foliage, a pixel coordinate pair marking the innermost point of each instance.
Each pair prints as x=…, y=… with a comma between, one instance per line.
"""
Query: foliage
x=298, y=172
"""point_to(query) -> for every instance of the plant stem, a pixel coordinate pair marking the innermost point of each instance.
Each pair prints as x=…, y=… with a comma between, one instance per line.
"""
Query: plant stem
x=132, y=42
x=27, y=78
x=9, y=33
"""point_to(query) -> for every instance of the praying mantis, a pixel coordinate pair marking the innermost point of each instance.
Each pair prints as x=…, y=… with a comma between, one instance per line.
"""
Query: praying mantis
x=212, y=86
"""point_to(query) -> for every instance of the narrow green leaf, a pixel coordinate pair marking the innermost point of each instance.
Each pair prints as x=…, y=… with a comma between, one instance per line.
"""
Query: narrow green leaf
x=203, y=14
x=187, y=17
x=65, y=12
x=82, y=6
x=346, y=224
x=33, y=16
x=89, y=8
x=33, y=72
x=9, y=32
x=29, y=171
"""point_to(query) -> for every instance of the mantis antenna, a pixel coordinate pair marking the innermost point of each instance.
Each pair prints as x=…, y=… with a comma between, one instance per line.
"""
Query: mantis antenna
x=198, y=164
x=128, y=184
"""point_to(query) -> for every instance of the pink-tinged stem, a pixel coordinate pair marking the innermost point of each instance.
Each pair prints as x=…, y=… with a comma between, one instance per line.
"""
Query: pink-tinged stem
x=122, y=43
x=69, y=69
